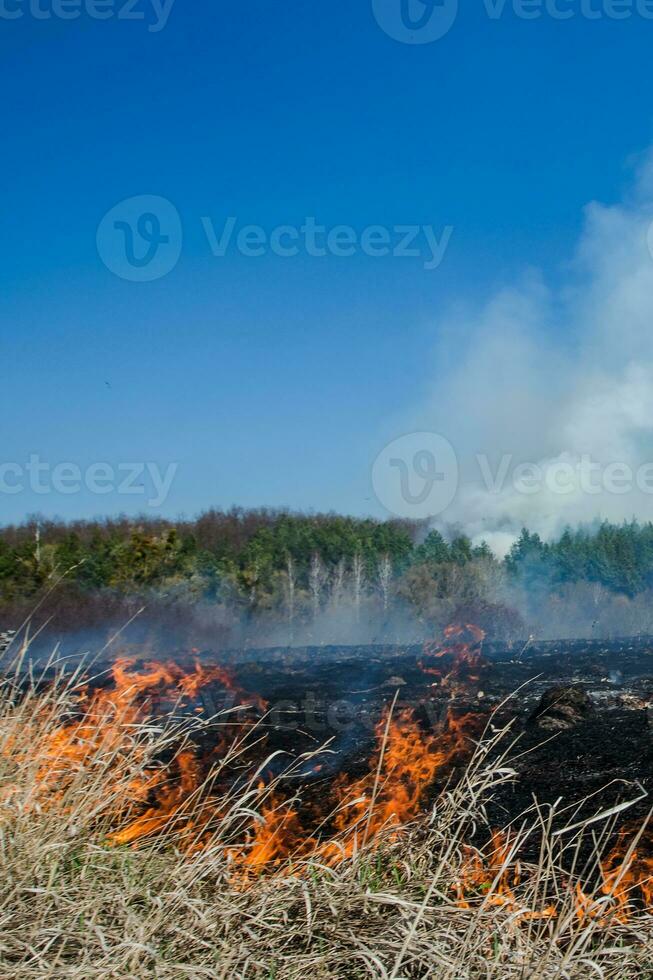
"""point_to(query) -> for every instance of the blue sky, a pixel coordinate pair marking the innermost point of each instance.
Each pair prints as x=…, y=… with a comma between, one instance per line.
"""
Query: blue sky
x=277, y=380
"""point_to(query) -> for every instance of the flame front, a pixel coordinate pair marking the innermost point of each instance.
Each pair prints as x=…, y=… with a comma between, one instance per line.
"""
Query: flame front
x=188, y=792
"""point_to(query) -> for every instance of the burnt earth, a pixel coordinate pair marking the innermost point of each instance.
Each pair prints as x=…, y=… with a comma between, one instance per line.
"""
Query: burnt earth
x=562, y=707
x=579, y=710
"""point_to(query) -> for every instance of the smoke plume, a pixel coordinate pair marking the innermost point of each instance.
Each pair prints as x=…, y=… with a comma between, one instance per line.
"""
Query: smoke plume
x=560, y=377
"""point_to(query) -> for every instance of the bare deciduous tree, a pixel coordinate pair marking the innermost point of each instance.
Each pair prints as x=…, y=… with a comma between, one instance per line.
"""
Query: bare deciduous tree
x=358, y=578
x=338, y=583
x=316, y=578
x=385, y=579
x=291, y=583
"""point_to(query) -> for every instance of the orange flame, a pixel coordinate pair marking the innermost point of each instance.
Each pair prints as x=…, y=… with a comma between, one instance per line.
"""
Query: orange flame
x=461, y=655
x=627, y=875
x=494, y=877
x=401, y=773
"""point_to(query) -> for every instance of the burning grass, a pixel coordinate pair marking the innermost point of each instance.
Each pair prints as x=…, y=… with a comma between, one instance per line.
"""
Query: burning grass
x=142, y=839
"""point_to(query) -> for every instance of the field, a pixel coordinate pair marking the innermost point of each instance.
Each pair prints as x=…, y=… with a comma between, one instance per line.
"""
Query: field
x=154, y=825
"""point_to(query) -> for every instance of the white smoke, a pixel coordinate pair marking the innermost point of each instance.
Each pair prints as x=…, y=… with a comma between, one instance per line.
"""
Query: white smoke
x=559, y=377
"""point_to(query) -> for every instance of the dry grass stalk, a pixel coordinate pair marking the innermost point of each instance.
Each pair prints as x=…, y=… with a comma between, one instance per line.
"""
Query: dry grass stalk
x=74, y=906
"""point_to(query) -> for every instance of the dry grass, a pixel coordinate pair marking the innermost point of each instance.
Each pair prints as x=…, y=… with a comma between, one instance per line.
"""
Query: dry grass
x=73, y=906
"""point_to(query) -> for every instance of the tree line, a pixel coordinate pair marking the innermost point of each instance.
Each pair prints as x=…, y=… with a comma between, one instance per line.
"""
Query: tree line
x=297, y=565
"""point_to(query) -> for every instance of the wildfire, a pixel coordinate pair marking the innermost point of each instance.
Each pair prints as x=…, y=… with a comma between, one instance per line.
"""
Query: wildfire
x=102, y=726
x=365, y=811
x=495, y=876
x=627, y=877
x=277, y=833
x=170, y=798
x=460, y=655
x=406, y=763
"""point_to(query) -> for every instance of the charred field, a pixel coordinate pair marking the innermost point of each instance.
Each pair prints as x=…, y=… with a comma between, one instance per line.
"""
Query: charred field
x=580, y=711
x=452, y=788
